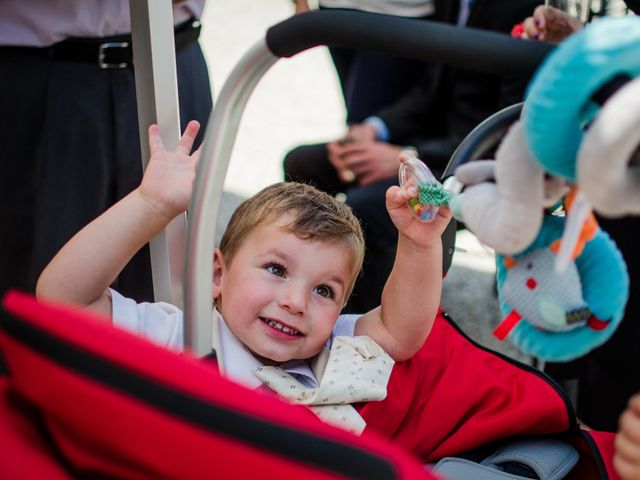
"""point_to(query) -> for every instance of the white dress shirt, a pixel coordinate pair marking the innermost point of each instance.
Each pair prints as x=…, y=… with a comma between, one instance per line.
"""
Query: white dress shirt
x=162, y=324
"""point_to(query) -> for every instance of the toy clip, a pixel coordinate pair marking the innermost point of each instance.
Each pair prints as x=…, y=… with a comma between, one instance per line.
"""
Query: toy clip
x=431, y=193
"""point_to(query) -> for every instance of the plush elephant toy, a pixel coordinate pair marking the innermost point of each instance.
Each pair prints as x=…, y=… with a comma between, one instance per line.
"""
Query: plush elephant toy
x=559, y=313
x=504, y=200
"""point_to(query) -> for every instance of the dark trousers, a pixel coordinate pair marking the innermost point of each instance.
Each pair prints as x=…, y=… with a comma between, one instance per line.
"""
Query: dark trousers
x=371, y=81
x=69, y=148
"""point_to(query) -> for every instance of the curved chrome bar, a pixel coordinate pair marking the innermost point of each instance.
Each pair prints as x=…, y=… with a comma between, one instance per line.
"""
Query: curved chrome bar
x=485, y=136
x=205, y=201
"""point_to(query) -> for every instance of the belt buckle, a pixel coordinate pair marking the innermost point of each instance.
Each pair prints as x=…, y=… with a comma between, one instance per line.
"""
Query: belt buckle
x=102, y=54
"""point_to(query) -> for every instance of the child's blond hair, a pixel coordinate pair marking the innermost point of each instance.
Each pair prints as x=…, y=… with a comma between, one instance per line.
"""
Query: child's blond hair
x=313, y=215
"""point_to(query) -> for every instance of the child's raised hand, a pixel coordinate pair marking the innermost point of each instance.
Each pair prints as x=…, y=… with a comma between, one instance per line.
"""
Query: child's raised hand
x=168, y=180
x=422, y=234
x=627, y=445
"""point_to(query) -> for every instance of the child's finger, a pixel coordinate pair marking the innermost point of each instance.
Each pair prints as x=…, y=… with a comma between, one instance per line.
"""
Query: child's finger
x=394, y=196
x=398, y=196
x=405, y=155
x=155, y=140
x=188, y=137
x=444, y=212
x=196, y=155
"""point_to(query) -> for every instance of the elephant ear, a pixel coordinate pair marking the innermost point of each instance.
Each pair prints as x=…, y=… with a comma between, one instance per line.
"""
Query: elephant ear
x=476, y=172
x=555, y=189
x=607, y=172
x=505, y=215
x=560, y=98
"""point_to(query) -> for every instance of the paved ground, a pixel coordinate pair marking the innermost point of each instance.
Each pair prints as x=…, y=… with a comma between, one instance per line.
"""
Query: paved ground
x=298, y=101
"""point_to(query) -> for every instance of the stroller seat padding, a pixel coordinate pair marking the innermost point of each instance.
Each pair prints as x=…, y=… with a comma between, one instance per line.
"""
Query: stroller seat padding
x=117, y=406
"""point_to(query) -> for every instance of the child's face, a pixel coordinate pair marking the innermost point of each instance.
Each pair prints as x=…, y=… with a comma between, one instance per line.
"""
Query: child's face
x=281, y=295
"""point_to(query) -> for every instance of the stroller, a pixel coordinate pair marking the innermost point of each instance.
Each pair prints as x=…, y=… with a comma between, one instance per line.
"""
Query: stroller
x=153, y=414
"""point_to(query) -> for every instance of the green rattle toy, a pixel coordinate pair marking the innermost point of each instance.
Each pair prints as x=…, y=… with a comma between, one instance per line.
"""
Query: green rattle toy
x=431, y=194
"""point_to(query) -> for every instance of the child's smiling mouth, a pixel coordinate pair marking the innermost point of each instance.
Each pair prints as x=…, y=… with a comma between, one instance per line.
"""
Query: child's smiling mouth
x=281, y=327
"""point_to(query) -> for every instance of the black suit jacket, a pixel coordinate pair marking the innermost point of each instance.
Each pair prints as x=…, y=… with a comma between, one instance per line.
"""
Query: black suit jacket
x=442, y=109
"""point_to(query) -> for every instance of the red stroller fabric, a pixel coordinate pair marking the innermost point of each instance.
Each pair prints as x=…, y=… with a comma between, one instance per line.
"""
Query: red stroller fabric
x=454, y=396
x=110, y=404
x=84, y=399
x=25, y=452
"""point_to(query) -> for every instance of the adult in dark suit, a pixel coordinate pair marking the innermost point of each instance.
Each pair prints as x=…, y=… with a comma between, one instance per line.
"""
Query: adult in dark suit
x=370, y=81
x=69, y=143
x=433, y=118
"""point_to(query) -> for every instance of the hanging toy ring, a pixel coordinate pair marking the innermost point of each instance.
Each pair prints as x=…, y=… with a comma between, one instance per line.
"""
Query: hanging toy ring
x=431, y=194
x=560, y=99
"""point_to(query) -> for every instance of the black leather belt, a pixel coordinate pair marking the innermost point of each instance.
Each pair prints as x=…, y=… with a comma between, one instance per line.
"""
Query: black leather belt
x=108, y=52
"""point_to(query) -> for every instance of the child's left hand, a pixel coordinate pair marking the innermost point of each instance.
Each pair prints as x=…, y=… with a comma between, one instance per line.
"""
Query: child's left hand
x=423, y=235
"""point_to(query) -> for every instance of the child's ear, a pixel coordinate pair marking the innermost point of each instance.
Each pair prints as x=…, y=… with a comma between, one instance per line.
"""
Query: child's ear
x=218, y=272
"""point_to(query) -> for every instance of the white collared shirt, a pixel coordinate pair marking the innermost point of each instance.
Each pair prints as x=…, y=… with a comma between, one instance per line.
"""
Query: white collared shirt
x=162, y=324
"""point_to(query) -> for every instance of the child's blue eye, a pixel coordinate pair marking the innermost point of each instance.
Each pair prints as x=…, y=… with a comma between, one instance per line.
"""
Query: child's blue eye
x=276, y=269
x=325, y=291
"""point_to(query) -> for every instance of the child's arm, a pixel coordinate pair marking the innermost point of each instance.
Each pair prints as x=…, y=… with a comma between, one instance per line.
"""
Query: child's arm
x=411, y=296
x=627, y=453
x=84, y=268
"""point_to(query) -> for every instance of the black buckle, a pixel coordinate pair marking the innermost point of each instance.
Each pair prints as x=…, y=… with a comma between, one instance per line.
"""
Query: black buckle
x=102, y=54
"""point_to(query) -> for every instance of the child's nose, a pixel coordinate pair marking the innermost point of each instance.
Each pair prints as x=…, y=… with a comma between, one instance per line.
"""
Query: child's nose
x=294, y=299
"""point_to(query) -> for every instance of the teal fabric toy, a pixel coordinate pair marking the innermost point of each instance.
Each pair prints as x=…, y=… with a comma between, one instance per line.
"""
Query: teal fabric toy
x=559, y=99
x=559, y=303
x=561, y=316
x=552, y=313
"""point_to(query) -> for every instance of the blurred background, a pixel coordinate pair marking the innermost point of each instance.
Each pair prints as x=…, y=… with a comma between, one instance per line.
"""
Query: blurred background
x=298, y=100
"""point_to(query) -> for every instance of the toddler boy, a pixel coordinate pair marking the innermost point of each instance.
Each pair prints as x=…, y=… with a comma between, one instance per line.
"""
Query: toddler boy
x=284, y=270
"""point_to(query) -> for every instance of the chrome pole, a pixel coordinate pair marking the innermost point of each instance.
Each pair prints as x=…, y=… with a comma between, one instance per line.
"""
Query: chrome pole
x=200, y=333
